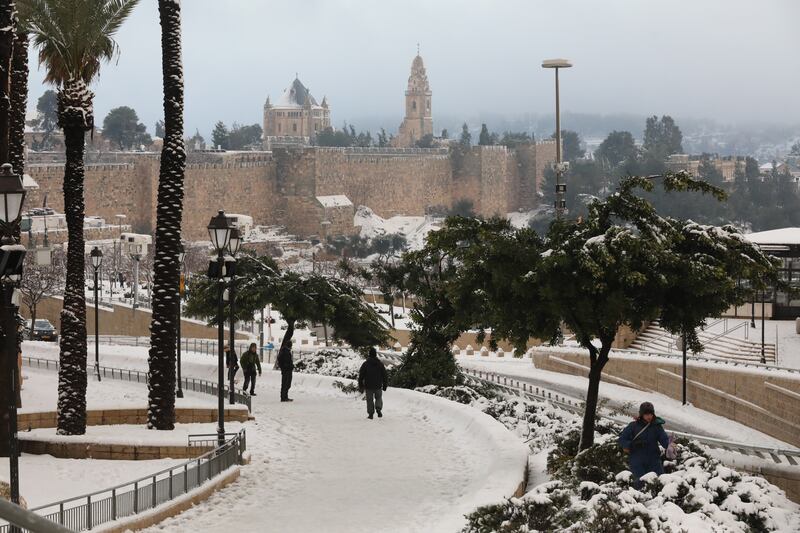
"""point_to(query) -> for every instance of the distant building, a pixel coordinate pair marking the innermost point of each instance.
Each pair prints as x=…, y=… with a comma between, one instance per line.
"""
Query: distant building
x=691, y=163
x=418, y=121
x=783, y=243
x=296, y=114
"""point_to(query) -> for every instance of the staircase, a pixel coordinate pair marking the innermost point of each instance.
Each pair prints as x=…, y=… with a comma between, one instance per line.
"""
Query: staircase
x=718, y=341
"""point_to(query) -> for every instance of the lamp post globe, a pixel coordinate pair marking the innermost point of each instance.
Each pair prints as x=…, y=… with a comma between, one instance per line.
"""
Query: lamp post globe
x=235, y=242
x=12, y=194
x=219, y=230
x=97, y=257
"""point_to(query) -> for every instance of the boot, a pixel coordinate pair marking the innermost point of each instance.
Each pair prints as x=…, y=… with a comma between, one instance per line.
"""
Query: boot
x=380, y=415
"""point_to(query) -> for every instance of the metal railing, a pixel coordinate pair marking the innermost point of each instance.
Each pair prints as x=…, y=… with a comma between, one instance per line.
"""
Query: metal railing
x=201, y=346
x=193, y=384
x=205, y=440
x=83, y=513
x=517, y=388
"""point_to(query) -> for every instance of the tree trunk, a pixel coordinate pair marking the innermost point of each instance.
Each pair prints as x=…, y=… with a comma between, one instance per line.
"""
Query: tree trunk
x=391, y=311
x=33, y=321
x=289, y=332
x=75, y=116
x=7, y=16
x=598, y=361
x=19, y=103
x=169, y=212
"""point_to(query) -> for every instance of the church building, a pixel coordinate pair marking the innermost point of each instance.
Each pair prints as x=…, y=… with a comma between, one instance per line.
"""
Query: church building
x=418, y=121
x=296, y=114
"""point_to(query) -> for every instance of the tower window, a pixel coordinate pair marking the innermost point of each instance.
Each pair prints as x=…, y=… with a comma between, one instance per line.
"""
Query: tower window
x=414, y=105
x=429, y=105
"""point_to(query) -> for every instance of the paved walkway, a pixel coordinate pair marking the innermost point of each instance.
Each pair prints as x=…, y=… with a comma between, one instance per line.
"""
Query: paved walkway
x=320, y=465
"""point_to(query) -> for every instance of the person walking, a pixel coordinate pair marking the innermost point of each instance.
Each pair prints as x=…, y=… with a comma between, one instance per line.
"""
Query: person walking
x=372, y=379
x=231, y=363
x=286, y=365
x=250, y=362
x=640, y=440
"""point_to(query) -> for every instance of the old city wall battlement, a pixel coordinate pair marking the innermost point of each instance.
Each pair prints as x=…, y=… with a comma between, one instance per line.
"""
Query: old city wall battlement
x=280, y=187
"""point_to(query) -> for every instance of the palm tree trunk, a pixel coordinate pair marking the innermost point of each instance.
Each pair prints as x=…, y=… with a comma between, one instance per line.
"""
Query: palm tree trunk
x=75, y=117
x=19, y=103
x=163, y=328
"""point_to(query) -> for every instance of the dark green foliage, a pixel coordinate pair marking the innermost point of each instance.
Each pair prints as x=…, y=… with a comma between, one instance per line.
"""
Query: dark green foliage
x=244, y=137
x=298, y=298
x=795, y=150
x=662, y=137
x=219, y=137
x=46, y=120
x=426, y=141
x=349, y=388
x=571, y=145
x=347, y=136
x=485, y=138
x=445, y=134
x=122, y=127
x=383, y=139
x=465, y=141
x=550, y=509
x=617, y=147
x=356, y=246
x=515, y=139
x=159, y=129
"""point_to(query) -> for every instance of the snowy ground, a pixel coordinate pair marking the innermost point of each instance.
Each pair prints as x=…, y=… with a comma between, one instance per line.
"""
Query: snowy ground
x=679, y=417
x=413, y=470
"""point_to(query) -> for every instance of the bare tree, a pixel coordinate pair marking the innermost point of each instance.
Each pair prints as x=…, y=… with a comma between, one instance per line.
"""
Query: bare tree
x=40, y=281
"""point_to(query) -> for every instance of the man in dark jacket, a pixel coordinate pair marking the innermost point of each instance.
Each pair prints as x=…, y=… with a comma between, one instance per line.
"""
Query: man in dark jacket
x=372, y=379
x=231, y=363
x=286, y=365
x=641, y=439
x=250, y=362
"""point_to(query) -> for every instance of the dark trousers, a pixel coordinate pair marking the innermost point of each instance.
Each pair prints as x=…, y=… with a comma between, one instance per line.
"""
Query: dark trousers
x=286, y=383
x=374, y=400
x=250, y=379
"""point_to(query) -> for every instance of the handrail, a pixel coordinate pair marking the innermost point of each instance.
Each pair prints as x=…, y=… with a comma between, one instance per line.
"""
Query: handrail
x=193, y=384
x=146, y=492
x=718, y=360
x=514, y=386
x=28, y=520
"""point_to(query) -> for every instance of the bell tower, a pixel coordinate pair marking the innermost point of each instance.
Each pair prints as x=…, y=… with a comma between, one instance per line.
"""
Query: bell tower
x=418, y=121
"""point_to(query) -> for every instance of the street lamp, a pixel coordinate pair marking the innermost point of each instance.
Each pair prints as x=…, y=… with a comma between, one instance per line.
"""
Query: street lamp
x=561, y=189
x=181, y=281
x=219, y=230
x=12, y=255
x=135, y=252
x=233, y=248
x=97, y=260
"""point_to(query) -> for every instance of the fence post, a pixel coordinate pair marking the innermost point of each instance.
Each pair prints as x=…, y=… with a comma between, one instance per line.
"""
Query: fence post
x=154, y=491
x=61, y=513
x=185, y=478
x=113, y=504
x=89, y=512
x=135, y=497
x=171, y=495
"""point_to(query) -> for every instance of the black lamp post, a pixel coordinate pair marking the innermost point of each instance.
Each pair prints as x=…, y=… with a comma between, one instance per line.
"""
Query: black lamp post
x=181, y=260
x=763, y=298
x=233, y=248
x=97, y=260
x=135, y=250
x=12, y=254
x=219, y=230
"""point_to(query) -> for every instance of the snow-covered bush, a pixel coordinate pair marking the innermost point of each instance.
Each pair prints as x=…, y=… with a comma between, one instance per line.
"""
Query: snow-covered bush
x=336, y=363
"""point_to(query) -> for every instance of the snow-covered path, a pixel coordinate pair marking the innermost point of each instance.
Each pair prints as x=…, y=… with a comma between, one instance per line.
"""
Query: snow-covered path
x=319, y=465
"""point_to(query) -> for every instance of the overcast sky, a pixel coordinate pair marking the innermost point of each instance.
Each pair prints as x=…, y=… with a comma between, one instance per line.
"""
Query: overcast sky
x=729, y=60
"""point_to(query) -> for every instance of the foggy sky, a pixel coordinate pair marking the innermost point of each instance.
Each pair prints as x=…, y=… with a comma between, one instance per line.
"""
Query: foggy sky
x=728, y=60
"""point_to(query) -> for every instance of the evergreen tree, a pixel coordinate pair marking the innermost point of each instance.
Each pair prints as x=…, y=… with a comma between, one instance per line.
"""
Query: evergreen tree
x=426, y=141
x=795, y=150
x=486, y=138
x=465, y=141
x=515, y=139
x=616, y=148
x=244, y=137
x=159, y=129
x=46, y=119
x=445, y=134
x=662, y=137
x=383, y=140
x=122, y=127
x=220, y=135
x=571, y=145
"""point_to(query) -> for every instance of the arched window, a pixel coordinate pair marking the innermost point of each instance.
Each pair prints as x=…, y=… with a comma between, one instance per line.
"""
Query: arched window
x=429, y=105
x=414, y=105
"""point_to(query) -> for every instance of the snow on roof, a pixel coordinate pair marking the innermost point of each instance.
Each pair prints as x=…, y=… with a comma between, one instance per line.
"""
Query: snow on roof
x=28, y=182
x=775, y=236
x=336, y=200
x=296, y=96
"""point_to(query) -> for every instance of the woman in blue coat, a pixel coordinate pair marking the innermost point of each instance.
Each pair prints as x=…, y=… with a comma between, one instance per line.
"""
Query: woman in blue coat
x=641, y=439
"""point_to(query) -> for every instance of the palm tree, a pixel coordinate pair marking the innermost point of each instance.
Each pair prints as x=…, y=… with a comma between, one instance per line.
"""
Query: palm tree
x=166, y=302
x=73, y=38
x=19, y=102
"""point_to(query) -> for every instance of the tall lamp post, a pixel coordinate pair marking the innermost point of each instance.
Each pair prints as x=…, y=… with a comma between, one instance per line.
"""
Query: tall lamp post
x=97, y=260
x=561, y=188
x=219, y=231
x=763, y=298
x=234, y=244
x=181, y=281
x=12, y=255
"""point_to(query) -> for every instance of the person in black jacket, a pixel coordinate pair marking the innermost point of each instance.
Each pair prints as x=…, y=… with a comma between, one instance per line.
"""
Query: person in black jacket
x=286, y=365
x=231, y=363
x=250, y=363
x=372, y=379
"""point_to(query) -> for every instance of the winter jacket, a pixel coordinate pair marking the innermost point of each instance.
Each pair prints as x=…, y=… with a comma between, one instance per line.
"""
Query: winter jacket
x=250, y=362
x=285, y=362
x=372, y=375
x=231, y=361
x=644, y=453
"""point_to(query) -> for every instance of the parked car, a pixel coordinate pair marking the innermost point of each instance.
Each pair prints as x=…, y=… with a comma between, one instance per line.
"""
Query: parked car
x=44, y=331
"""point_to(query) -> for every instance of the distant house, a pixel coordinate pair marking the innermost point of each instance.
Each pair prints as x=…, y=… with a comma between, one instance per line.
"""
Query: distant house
x=784, y=244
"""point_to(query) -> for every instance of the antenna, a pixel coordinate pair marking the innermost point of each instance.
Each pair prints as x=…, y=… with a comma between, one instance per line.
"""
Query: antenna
x=417, y=48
